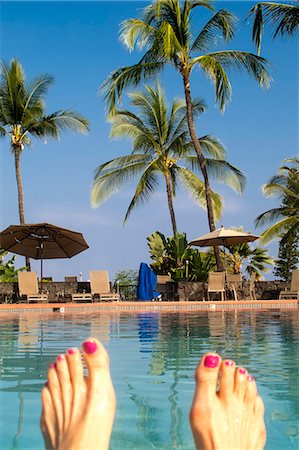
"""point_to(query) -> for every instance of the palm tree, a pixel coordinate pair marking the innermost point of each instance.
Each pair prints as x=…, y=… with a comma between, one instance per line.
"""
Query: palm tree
x=284, y=186
x=165, y=30
x=161, y=144
x=22, y=116
x=282, y=17
x=256, y=259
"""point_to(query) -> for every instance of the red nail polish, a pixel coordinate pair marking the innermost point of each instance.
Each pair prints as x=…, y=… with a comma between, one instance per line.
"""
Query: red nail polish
x=250, y=378
x=60, y=357
x=211, y=361
x=89, y=347
x=242, y=371
x=52, y=366
x=229, y=363
x=71, y=351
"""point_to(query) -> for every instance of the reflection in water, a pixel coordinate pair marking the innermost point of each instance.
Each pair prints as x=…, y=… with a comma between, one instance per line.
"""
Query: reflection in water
x=153, y=356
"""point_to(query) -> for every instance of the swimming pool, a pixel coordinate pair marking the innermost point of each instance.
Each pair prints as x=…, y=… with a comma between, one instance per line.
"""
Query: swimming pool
x=153, y=356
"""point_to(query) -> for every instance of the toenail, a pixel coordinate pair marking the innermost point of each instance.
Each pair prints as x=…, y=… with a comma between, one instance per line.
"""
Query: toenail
x=89, y=347
x=52, y=366
x=60, y=357
x=242, y=371
x=211, y=361
x=71, y=351
x=250, y=378
x=229, y=363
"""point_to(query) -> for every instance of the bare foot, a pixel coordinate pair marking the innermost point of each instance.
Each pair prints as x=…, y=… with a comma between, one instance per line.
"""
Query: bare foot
x=78, y=413
x=231, y=418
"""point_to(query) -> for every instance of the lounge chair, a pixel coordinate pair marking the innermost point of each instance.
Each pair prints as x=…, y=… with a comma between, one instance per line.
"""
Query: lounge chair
x=163, y=286
x=100, y=286
x=233, y=281
x=252, y=293
x=28, y=287
x=72, y=279
x=216, y=284
x=293, y=293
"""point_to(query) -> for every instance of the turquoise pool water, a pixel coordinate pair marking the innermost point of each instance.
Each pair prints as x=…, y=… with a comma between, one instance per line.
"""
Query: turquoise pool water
x=153, y=356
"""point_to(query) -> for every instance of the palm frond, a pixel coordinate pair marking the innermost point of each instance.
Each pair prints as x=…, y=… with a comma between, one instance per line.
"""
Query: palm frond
x=196, y=188
x=124, y=77
x=134, y=31
x=222, y=21
x=146, y=186
x=215, y=71
x=284, y=18
x=112, y=175
x=278, y=229
x=52, y=124
x=254, y=65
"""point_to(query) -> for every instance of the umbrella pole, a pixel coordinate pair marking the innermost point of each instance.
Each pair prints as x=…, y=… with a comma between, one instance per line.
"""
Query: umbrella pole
x=41, y=265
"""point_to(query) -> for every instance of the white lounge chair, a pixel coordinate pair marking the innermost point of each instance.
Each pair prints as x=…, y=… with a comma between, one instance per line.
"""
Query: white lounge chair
x=100, y=286
x=293, y=292
x=216, y=284
x=28, y=287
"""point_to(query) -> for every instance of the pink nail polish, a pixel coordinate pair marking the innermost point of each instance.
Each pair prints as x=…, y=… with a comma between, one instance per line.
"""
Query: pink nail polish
x=89, y=347
x=52, y=366
x=71, y=351
x=242, y=371
x=60, y=357
x=229, y=363
x=250, y=378
x=211, y=361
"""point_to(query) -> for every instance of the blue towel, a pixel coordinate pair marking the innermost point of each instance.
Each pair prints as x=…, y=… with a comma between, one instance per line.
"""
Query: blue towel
x=147, y=283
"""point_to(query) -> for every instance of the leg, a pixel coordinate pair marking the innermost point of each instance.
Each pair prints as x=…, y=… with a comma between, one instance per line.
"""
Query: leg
x=233, y=417
x=78, y=413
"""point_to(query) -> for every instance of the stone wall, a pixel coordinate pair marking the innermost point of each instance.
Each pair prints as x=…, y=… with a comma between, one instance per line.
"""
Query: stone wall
x=265, y=290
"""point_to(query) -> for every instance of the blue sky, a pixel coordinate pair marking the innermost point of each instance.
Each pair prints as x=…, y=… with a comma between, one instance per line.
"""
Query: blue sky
x=77, y=43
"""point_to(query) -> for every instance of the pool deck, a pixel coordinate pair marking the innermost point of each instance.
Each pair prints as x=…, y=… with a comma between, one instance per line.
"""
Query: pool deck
x=147, y=306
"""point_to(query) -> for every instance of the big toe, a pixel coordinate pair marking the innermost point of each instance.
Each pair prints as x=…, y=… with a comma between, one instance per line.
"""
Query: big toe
x=206, y=376
x=97, y=360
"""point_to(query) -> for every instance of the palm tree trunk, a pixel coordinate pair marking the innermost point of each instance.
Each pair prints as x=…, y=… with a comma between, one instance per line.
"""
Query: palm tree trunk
x=170, y=203
x=202, y=162
x=17, y=152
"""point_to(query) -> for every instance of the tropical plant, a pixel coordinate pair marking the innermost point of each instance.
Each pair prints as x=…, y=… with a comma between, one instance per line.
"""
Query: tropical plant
x=126, y=277
x=284, y=186
x=173, y=256
x=8, y=272
x=242, y=258
x=23, y=116
x=288, y=257
x=164, y=29
x=162, y=147
x=284, y=18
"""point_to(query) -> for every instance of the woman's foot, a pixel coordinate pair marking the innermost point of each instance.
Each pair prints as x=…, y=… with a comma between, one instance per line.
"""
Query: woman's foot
x=78, y=412
x=230, y=418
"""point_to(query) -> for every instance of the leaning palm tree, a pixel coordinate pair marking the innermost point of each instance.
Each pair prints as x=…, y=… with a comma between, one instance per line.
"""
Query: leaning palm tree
x=161, y=147
x=22, y=116
x=165, y=31
x=284, y=18
x=284, y=186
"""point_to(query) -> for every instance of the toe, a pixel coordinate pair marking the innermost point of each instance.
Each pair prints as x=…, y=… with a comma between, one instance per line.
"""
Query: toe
x=240, y=382
x=227, y=379
x=63, y=375
x=96, y=359
x=206, y=376
x=75, y=367
x=250, y=394
x=48, y=419
x=54, y=389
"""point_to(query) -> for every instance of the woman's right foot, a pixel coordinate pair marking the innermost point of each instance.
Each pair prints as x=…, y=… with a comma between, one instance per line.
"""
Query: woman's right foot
x=78, y=413
x=231, y=418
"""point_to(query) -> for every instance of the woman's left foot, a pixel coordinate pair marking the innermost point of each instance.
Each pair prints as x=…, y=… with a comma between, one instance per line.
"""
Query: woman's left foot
x=78, y=412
